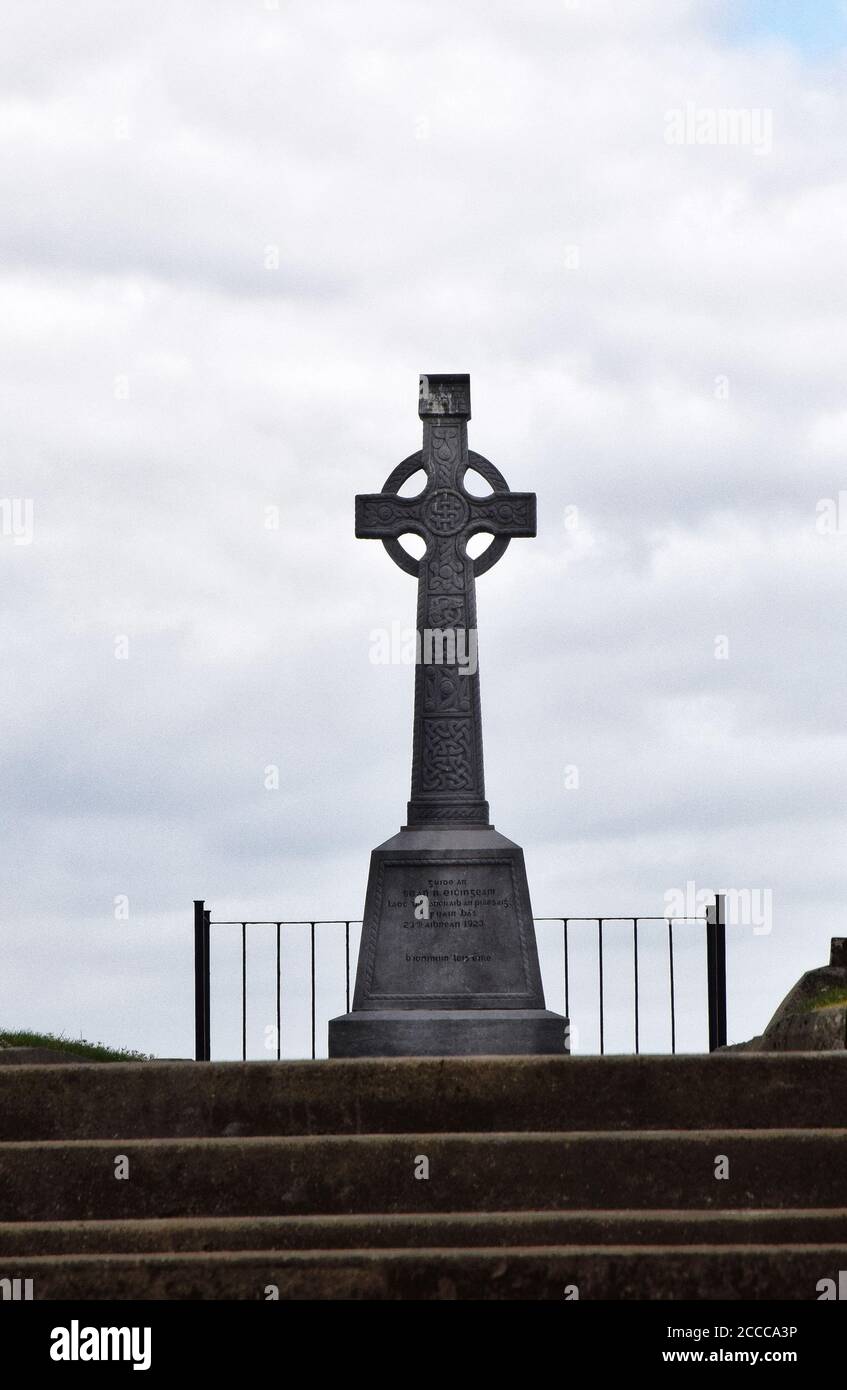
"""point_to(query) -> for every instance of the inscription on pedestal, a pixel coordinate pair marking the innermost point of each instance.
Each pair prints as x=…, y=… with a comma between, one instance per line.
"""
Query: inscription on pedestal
x=443, y=932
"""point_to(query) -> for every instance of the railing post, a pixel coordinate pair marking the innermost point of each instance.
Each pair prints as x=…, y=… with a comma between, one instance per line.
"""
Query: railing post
x=202, y=1049
x=207, y=988
x=716, y=970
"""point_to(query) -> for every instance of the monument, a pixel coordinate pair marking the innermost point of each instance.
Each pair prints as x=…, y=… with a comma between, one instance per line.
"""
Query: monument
x=448, y=962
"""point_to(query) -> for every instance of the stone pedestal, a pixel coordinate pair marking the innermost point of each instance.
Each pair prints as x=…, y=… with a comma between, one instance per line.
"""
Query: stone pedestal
x=448, y=962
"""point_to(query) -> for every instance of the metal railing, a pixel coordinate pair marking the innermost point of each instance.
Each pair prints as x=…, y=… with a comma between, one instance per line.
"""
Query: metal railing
x=714, y=921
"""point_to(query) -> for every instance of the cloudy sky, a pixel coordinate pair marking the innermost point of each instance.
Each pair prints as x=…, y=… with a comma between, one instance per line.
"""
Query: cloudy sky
x=231, y=236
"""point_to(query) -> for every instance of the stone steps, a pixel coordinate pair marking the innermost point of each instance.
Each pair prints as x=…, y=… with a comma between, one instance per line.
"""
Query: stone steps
x=543, y=1172
x=610, y=1272
x=376, y=1173
x=423, y=1095
x=465, y=1230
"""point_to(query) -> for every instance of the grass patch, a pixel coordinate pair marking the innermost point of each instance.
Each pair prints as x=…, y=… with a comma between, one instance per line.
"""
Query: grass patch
x=59, y=1043
x=829, y=997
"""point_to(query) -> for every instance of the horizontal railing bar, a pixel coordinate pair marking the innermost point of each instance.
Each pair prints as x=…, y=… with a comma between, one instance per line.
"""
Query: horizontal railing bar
x=624, y=917
x=356, y=921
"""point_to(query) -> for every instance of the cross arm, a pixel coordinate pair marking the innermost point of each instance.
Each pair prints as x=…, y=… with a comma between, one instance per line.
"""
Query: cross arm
x=383, y=516
x=504, y=514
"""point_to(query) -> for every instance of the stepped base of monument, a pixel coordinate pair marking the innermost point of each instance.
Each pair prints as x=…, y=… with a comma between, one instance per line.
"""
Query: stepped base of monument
x=448, y=1033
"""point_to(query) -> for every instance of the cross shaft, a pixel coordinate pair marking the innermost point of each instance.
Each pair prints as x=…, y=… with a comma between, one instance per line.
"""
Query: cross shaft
x=448, y=781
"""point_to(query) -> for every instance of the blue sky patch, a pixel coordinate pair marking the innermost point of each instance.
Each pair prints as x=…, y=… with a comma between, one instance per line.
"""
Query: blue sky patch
x=816, y=28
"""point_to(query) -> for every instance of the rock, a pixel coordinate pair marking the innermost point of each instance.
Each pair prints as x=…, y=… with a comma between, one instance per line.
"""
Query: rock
x=813, y=1015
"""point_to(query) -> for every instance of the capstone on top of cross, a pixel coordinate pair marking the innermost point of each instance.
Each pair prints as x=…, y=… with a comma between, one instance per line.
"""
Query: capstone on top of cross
x=444, y=395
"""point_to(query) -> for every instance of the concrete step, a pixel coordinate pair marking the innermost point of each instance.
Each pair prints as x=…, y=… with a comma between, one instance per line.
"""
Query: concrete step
x=610, y=1272
x=447, y=1230
x=467, y=1172
x=429, y=1095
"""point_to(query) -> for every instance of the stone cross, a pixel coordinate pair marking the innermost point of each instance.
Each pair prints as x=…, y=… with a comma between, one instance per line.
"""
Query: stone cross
x=448, y=783
x=448, y=960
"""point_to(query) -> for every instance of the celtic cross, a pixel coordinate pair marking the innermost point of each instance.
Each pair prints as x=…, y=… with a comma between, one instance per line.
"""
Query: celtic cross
x=447, y=771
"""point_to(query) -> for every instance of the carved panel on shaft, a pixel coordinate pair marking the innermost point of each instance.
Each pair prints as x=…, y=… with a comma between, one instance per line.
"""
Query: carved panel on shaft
x=446, y=571
x=447, y=611
x=445, y=455
x=447, y=755
x=446, y=691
